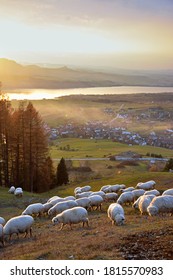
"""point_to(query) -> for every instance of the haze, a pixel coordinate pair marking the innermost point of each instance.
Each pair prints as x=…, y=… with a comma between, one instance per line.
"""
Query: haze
x=103, y=34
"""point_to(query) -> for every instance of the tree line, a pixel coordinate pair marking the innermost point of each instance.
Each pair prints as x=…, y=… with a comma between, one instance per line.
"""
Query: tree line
x=24, y=154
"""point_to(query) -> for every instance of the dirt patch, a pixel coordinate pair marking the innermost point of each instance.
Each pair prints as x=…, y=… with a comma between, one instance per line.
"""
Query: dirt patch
x=153, y=245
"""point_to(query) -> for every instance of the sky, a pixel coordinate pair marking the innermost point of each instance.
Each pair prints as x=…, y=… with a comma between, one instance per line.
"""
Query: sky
x=110, y=34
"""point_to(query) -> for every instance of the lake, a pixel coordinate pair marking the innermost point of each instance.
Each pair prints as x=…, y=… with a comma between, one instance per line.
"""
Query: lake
x=37, y=94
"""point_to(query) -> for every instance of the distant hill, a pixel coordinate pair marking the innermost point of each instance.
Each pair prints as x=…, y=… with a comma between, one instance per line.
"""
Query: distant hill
x=17, y=76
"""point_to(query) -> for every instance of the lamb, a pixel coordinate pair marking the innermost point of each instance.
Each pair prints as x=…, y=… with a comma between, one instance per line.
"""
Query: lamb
x=18, y=224
x=168, y=192
x=116, y=214
x=12, y=190
x=61, y=206
x=83, y=202
x=111, y=196
x=161, y=204
x=96, y=200
x=146, y=186
x=2, y=221
x=126, y=197
x=34, y=209
x=155, y=192
x=72, y=216
x=144, y=203
x=18, y=192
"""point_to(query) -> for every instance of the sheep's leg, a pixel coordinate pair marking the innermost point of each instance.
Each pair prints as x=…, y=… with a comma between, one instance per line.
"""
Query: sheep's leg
x=61, y=227
x=70, y=226
x=30, y=231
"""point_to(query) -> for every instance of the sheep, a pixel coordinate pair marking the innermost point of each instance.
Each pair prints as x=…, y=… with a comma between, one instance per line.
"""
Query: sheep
x=144, y=203
x=155, y=192
x=12, y=190
x=2, y=221
x=137, y=193
x=83, y=194
x=83, y=202
x=72, y=216
x=115, y=188
x=70, y=197
x=101, y=193
x=111, y=196
x=161, y=204
x=18, y=192
x=18, y=224
x=85, y=189
x=47, y=206
x=127, y=189
x=105, y=188
x=34, y=209
x=136, y=203
x=146, y=186
x=116, y=214
x=96, y=200
x=56, y=200
x=168, y=192
x=53, y=198
x=61, y=206
x=126, y=197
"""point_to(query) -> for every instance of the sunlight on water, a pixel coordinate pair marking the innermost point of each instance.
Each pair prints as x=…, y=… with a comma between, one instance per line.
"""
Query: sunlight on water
x=38, y=94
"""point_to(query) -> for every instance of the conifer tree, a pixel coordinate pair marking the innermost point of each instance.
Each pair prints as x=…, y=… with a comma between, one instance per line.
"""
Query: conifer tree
x=62, y=174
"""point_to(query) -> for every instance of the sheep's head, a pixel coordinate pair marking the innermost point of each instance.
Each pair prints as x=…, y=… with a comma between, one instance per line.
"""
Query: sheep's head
x=55, y=221
x=152, y=210
x=120, y=219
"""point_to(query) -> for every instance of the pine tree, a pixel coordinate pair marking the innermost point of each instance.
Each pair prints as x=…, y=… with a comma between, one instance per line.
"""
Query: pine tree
x=62, y=174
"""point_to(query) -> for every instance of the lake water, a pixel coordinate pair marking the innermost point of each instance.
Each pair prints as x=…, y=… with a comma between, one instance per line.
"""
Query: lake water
x=37, y=94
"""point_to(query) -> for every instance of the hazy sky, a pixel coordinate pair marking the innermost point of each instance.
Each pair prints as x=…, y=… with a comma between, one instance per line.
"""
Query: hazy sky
x=135, y=34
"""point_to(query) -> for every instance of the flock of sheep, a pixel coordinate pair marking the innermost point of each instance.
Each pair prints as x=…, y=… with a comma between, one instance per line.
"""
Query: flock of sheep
x=74, y=209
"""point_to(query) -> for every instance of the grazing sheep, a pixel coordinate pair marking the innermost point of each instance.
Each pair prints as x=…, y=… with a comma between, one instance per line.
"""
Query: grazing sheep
x=126, y=197
x=115, y=188
x=85, y=189
x=83, y=202
x=96, y=200
x=127, y=189
x=34, y=209
x=56, y=200
x=116, y=214
x=18, y=192
x=61, y=206
x=136, y=203
x=168, y=192
x=146, y=186
x=83, y=194
x=47, y=206
x=144, y=203
x=53, y=198
x=70, y=197
x=18, y=224
x=105, y=188
x=12, y=190
x=137, y=193
x=161, y=204
x=2, y=221
x=71, y=216
x=111, y=196
x=155, y=192
x=101, y=193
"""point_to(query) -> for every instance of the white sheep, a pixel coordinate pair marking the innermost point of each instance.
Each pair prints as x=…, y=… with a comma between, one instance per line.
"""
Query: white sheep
x=126, y=197
x=161, y=204
x=111, y=196
x=146, y=186
x=2, y=221
x=96, y=201
x=168, y=192
x=115, y=188
x=138, y=193
x=72, y=216
x=61, y=206
x=127, y=189
x=47, y=206
x=53, y=198
x=18, y=224
x=83, y=194
x=34, y=209
x=116, y=213
x=136, y=202
x=85, y=189
x=56, y=200
x=83, y=202
x=12, y=190
x=144, y=202
x=70, y=197
x=18, y=192
x=155, y=192
x=101, y=193
x=105, y=188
